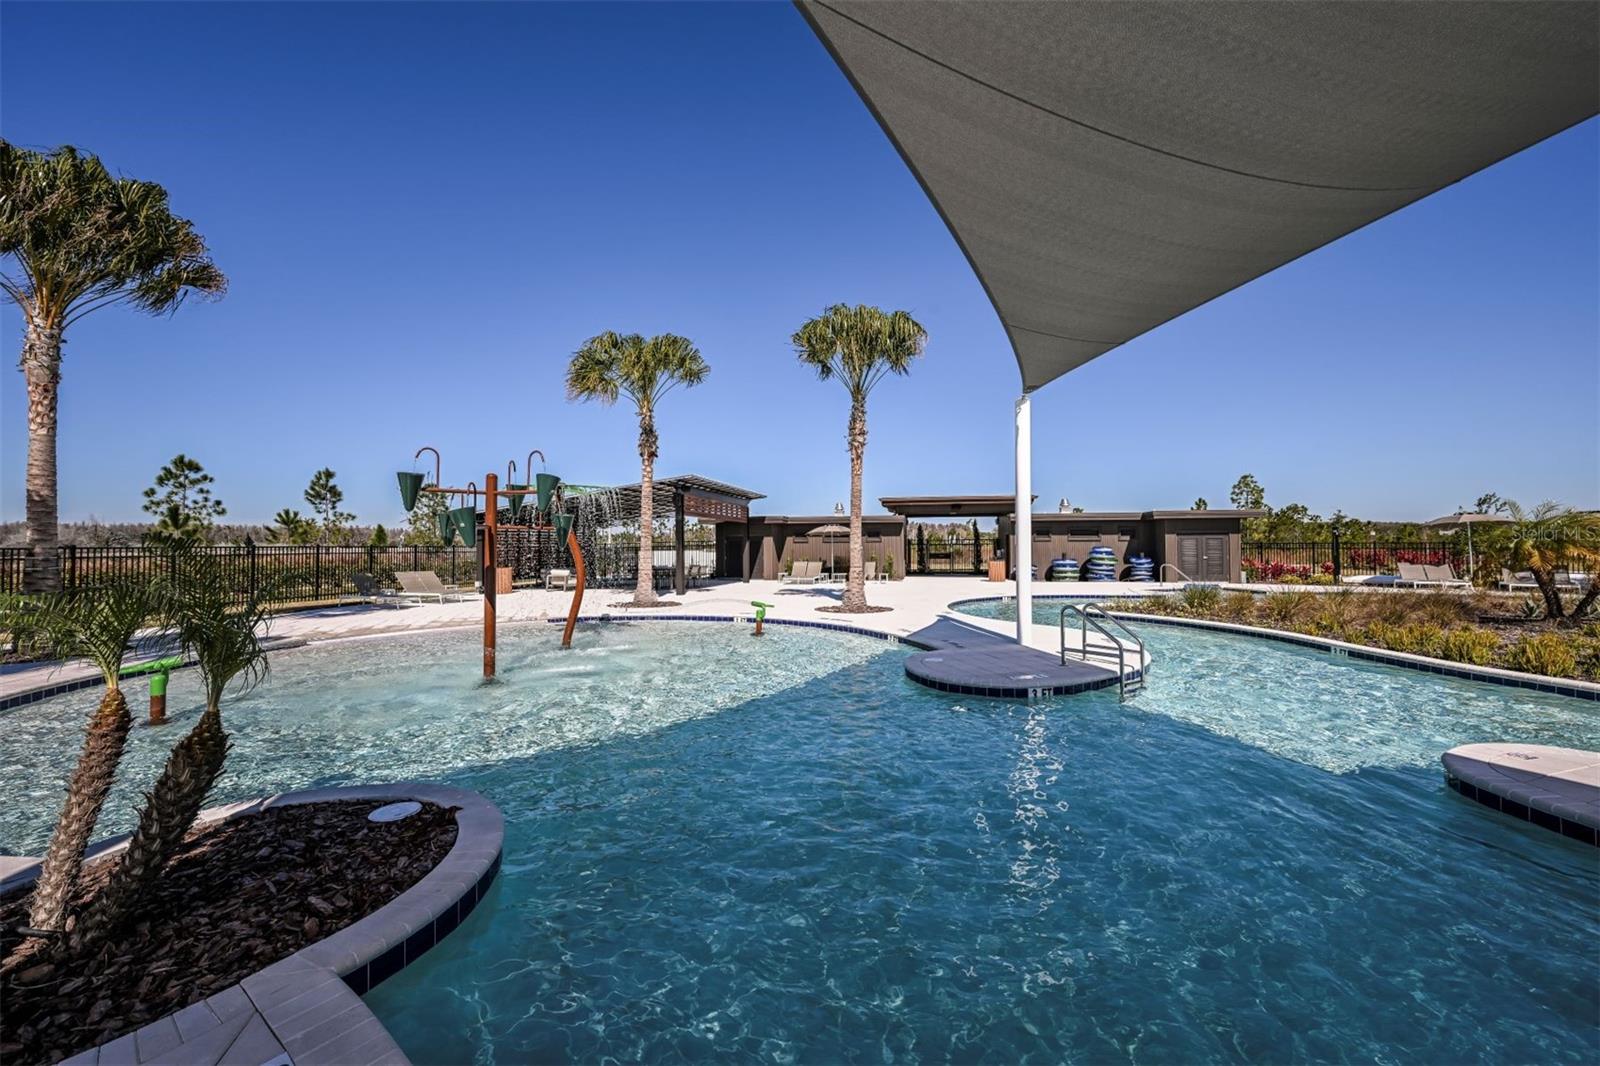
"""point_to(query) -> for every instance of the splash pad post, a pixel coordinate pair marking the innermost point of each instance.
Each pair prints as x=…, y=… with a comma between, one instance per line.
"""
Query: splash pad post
x=491, y=493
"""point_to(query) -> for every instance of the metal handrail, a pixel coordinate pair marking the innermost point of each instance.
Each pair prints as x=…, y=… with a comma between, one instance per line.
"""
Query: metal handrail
x=1168, y=566
x=1085, y=620
x=1120, y=624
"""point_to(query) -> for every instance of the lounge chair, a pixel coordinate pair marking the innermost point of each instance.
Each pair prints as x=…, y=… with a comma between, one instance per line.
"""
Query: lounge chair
x=425, y=585
x=369, y=591
x=803, y=572
x=564, y=577
x=1445, y=577
x=1522, y=579
x=1413, y=574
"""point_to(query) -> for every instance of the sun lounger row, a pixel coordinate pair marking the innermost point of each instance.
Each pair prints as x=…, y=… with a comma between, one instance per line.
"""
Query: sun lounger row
x=1419, y=576
x=811, y=571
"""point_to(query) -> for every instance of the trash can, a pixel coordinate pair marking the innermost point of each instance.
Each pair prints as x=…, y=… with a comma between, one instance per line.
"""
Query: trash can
x=997, y=569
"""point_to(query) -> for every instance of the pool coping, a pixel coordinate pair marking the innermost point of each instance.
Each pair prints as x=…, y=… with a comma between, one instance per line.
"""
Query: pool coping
x=307, y=1006
x=1556, y=800
x=1583, y=690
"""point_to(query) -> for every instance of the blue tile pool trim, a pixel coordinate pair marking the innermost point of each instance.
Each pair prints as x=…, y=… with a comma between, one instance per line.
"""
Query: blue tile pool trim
x=44, y=692
x=1505, y=805
x=364, y=978
x=1421, y=664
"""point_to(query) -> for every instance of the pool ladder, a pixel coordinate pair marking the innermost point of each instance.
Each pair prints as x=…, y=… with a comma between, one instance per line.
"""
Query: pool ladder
x=1091, y=616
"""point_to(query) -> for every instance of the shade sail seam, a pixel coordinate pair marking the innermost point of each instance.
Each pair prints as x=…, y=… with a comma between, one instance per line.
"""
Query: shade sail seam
x=1057, y=336
x=1090, y=127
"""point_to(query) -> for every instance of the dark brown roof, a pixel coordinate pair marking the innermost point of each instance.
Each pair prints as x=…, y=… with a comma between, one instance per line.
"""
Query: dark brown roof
x=984, y=506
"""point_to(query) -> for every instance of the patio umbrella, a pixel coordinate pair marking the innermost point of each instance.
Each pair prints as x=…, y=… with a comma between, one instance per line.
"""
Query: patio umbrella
x=1468, y=519
x=830, y=531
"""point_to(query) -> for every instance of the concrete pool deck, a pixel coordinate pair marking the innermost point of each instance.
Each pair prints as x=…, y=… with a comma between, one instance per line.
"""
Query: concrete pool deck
x=915, y=603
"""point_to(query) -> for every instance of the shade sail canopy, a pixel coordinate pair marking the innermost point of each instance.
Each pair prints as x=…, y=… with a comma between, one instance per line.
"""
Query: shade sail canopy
x=1107, y=166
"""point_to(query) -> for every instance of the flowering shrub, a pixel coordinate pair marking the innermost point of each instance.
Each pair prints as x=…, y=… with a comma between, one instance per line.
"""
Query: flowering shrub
x=1378, y=560
x=1272, y=570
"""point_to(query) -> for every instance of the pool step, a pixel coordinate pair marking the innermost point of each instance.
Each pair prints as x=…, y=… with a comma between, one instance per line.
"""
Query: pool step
x=1556, y=788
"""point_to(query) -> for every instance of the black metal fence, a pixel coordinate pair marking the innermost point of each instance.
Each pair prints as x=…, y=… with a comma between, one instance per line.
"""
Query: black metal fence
x=944, y=554
x=285, y=575
x=1274, y=560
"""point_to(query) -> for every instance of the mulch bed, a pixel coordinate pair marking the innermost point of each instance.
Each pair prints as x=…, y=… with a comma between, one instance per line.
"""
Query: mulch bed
x=658, y=603
x=859, y=610
x=237, y=897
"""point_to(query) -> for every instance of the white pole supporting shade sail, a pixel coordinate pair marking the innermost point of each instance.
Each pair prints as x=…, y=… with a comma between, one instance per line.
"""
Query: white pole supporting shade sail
x=1108, y=166
x=1023, y=536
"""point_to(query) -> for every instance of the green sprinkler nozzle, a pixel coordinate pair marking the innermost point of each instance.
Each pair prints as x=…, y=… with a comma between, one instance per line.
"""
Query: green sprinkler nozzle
x=154, y=666
x=761, y=614
x=160, y=671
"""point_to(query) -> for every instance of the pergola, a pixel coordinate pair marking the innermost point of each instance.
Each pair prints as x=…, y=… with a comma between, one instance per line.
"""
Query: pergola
x=686, y=496
x=981, y=506
x=1106, y=167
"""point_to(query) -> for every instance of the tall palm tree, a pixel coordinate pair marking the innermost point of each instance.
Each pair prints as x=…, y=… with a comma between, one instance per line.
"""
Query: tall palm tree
x=857, y=346
x=96, y=625
x=616, y=364
x=81, y=239
x=225, y=642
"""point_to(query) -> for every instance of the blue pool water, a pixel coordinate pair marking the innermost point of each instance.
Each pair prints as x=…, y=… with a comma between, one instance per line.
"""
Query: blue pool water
x=783, y=850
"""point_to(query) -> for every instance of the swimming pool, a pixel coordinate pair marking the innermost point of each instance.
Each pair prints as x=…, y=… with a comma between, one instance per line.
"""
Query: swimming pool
x=783, y=849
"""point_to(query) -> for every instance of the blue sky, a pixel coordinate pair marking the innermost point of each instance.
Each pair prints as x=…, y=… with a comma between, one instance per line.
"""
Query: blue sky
x=423, y=210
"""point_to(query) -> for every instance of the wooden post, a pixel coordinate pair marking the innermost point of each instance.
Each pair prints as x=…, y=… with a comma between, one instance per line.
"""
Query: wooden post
x=577, y=593
x=490, y=508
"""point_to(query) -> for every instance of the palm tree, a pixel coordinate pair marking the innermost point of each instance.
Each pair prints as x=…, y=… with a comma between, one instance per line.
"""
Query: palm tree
x=225, y=642
x=96, y=625
x=857, y=346
x=614, y=364
x=83, y=240
x=1548, y=538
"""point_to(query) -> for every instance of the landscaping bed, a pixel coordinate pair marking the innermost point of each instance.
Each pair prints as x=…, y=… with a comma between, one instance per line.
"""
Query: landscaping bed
x=1478, y=629
x=237, y=897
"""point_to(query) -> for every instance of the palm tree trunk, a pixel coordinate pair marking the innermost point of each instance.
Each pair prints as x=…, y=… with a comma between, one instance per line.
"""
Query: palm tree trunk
x=644, y=588
x=41, y=367
x=169, y=812
x=103, y=742
x=1547, y=588
x=1590, y=594
x=855, y=587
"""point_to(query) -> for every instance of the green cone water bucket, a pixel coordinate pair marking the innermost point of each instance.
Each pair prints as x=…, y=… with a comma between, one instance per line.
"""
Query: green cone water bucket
x=563, y=523
x=447, y=528
x=410, y=488
x=516, y=498
x=465, y=520
x=547, y=486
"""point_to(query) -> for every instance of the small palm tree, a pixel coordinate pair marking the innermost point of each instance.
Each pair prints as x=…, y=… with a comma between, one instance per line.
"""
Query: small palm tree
x=94, y=624
x=1548, y=538
x=83, y=239
x=225, y=643
x=858, y=346
x=614, y=364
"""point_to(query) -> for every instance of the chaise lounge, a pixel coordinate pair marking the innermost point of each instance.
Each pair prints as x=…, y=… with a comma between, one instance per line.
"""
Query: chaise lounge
x=425, y=585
